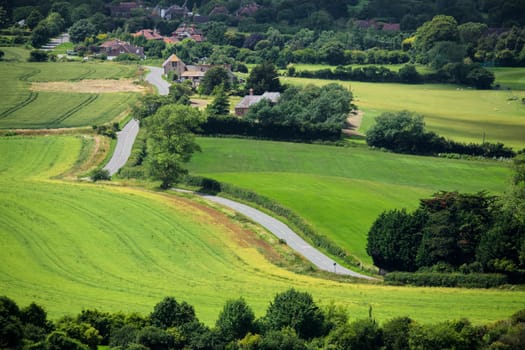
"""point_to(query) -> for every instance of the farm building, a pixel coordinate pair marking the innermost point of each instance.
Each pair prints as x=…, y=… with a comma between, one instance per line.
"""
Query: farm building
x=195, y=73
x=249, y=100
x=116, y=47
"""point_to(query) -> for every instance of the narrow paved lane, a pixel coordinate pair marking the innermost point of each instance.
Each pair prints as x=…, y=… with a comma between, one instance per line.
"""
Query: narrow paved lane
x=154, y=77
x=282, y=231
x=126, y=137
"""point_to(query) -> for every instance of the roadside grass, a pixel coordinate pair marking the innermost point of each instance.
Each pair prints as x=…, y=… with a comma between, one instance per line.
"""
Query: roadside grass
x=461, y=114
x=341, y=191
x=22, y=108
x=70, y=246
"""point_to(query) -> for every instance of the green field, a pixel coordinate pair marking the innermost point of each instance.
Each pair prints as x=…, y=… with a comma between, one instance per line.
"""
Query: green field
x=457, y=113
x=512, y=78
x=21, y=107
x=341, y=191
x=69, y=246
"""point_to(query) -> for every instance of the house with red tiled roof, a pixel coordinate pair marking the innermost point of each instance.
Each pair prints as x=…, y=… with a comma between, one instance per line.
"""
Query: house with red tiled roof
x=188, y=31
x=149, y=34
x=113, y=48
x=248, y=10
x=195, y=73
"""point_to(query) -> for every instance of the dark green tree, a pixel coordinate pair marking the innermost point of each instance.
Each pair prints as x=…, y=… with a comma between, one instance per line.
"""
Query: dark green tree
x=480, y=78
x=34, y=18
x=394, y=238
x=361, y=334
x=396, y=333
x=170, y=313
x=408, y=74
x=171, y=141
x=235, y=320
x=298, y=311
x=285, y=339
x=214, y=77
x=11, y=331
x=155, y=338
x=220, y=104
x=82, y=30
x=264, y=78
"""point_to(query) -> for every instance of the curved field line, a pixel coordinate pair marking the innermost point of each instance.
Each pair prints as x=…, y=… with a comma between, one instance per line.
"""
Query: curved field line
x=69, y=113
x=30, y=98
x=26, y=76
x=84, y=75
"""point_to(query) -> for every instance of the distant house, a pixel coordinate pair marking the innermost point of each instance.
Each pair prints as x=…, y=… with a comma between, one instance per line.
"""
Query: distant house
x=248, y=10
x=373, y=24
x=188, y=31
x=149, y=34
x=123, y=9
x=199, y=19
x=249, y=100
x=391, y=27
x=113, y=48
x=195, y=73
x=219, y=10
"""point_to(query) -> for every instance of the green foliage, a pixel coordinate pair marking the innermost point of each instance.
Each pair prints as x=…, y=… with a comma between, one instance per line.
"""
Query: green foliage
x=220, y=105
x=296, y=310
x=170, y=313
x=235, y=320
x=264, y=78
x=396, y=333
x=82, y=30
x=38, y=56
x=171, y=142
x=360, y=334
x=393, y=237
x=435, y=279
x=100, y=175
x=215, y=77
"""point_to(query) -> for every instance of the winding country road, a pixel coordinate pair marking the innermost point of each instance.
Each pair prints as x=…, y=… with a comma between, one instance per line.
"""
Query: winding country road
x=125, y=140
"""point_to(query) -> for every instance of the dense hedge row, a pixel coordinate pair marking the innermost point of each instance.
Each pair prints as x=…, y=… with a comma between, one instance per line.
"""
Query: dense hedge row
x=225, y=125
x=435, y=279
x=457, y=73
x=212, y=186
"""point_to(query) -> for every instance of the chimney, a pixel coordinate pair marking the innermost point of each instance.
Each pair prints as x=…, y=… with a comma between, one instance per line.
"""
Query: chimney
x=251, y=92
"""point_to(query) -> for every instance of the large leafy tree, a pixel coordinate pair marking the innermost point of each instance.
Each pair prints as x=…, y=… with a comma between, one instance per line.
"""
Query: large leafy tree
x=81, y=30
x=298, y=311
x=235, y=320
x=171, y=141
x=264, y=78
x=214, y=77
x=170, y=313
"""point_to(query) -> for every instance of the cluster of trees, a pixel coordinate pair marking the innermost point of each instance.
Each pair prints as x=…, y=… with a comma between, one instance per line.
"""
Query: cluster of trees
x=404, y=132
x=292, y=321
x=469, y=233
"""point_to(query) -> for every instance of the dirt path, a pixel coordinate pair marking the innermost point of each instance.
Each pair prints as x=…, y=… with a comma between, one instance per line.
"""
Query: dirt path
x=353, y=124
x=89, y=86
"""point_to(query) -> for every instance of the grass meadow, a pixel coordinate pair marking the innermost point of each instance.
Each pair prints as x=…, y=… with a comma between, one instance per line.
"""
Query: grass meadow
x=341, y=191
x=69, y=246
x=20, y=107
x=457, y=113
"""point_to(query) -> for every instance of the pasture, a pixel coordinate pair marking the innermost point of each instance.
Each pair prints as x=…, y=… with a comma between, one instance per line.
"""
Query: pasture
x=341, y=191
x=458, y=113
x=23, y=107
x=69, y=246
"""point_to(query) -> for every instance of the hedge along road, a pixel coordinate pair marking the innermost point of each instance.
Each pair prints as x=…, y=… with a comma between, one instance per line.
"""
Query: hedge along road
x=126, y=137
x=125, y=140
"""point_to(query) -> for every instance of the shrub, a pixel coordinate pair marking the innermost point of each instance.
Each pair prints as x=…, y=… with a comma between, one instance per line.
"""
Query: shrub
x=38, y=56
x=434, y=279
x=100, y=175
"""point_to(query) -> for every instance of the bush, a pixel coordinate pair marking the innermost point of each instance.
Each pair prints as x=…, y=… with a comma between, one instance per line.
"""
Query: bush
x=434, y=279
x=38, y=56
x=100, y=175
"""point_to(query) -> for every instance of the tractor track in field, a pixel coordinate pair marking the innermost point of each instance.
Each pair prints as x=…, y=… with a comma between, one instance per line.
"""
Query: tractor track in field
x=89, y=100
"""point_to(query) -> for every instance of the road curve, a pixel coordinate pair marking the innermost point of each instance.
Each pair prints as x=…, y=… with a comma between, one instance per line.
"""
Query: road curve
x=125, y=141
x=282, y=231
x=126, y=137
x=154, y=77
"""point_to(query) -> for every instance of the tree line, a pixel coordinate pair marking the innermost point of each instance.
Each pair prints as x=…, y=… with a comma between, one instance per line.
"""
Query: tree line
x=404, y=132
x=456, y=232
x=292, y=321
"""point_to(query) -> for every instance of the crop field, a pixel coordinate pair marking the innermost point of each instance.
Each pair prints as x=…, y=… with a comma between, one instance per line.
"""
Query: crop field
x=69, y=246
x=341, y=191
x=22, y=107
x=511, y=78
x=461, y=114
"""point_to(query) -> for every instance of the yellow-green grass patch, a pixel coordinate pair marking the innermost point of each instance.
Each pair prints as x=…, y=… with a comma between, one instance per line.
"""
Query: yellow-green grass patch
x=341, y=191
x=69, y=246
x=458, y=113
